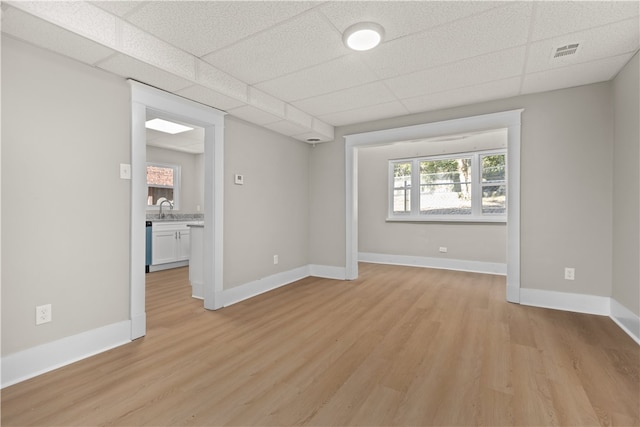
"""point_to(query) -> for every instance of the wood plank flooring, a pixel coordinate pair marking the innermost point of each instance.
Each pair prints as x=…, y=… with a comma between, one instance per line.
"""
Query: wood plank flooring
x=398, y=346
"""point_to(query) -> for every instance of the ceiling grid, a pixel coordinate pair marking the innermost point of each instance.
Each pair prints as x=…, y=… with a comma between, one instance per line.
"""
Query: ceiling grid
x=282, y=64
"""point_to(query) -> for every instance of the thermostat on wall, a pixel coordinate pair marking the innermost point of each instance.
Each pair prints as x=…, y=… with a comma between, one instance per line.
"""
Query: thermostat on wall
x=239, y=179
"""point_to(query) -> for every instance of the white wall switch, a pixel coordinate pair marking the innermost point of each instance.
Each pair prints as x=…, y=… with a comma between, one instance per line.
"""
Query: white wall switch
x=443, y=249
x=125, y=171
x=43, y=314
x=238, y=179
x=275, y=259
x=570, y=273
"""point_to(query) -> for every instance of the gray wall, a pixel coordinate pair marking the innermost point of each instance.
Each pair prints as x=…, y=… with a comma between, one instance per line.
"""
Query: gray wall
x=470, y=242
x=191, y=174
x=268, y=215
x=626, y=188
x=65, y=210
x=567, y=145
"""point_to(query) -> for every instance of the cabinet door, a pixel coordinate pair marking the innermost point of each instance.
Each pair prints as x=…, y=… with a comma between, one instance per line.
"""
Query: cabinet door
x=184, y=244
x=164, y=247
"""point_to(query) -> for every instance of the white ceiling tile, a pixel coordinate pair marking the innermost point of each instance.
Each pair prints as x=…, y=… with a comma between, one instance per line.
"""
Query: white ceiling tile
x=299, y=43
x=348, y=99
x=574, y=75
x=481, y=69
x=337, y=74
x=209, y=97
x=491, y=31
x=400, y=18
x=380, y=111
x=220, y=81
x=556, y=18
x=218, y=23
x=602, y=42
x=27, y=27
x=463, y=96
x=118, y=8
x=148, y=48
x=254, y=115
x=129, y=67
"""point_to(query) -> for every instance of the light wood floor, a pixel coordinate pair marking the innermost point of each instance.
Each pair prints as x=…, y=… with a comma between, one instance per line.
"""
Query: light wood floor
x=398, y=346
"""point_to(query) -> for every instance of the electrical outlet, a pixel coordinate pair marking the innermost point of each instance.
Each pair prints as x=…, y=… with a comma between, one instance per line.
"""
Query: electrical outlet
x=275, y=259
x=569, y=273
x=43, y=314
x=443, y=249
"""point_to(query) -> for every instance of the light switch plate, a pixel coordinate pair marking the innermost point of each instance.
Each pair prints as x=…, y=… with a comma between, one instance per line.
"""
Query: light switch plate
x=238, y=179
x=125, y=171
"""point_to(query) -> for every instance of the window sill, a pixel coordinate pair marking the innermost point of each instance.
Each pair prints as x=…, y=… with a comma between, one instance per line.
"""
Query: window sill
x=456, y=219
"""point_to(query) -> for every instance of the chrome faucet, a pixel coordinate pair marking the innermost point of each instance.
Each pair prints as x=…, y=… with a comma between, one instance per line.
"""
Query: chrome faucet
x=170, y=207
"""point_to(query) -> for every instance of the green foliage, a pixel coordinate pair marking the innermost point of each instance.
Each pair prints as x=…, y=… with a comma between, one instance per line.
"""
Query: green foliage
x=401, y=170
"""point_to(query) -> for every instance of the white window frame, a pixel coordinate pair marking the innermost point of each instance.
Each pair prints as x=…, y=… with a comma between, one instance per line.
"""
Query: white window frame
x=177, y=169
x=476, y=190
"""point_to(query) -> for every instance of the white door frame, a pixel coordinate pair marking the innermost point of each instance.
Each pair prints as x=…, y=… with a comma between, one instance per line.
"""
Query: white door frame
x=145, y=97
x=507, y=119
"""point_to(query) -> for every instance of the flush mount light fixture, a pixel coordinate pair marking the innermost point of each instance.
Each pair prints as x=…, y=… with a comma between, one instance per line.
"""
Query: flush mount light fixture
x=166, y=126
x=363, y=36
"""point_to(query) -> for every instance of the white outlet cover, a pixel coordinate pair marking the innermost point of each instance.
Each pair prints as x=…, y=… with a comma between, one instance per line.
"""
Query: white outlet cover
x=238, y=179
x=43, y=314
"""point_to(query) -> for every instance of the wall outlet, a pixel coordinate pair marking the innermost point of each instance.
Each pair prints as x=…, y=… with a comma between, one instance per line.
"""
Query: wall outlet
x=43, y=314
x=238, y=179
x=443, y=249
x=275, y=259
x=569, y=273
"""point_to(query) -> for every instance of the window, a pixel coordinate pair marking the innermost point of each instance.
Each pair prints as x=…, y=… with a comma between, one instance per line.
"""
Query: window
x=463, y=187
x=163, y=183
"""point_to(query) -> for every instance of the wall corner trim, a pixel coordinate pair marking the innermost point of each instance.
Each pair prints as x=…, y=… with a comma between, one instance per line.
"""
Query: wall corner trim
x=25, y=364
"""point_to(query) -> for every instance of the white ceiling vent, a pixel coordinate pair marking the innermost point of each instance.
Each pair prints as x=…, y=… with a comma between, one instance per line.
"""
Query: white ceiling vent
x=567, y=50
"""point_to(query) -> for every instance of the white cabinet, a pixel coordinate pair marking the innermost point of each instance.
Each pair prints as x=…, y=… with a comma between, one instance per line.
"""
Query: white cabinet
x=170, y=242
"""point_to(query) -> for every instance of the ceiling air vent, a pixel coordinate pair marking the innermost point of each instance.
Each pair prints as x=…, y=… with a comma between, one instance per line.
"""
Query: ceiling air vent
x=567, y=50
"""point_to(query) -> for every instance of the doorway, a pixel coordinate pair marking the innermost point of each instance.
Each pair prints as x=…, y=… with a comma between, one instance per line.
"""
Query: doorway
x=507, y=119
x=143, y=99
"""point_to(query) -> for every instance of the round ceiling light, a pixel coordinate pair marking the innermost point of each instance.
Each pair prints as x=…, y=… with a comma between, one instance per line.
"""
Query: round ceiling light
x=363, y=36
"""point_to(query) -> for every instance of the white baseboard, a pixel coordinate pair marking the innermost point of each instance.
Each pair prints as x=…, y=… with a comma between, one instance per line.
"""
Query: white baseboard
x=260, y=286
x=578, y=303
x=327, y=272
x=626, y=319
x=43, y=358
x=168, y=266
x=266, y=284
x=429, y=262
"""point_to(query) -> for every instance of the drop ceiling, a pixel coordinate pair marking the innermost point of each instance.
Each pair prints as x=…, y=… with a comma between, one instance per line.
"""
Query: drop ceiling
x=282, y=65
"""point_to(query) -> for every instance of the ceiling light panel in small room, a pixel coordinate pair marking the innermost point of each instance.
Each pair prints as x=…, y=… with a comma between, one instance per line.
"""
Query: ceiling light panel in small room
x=166, y=126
